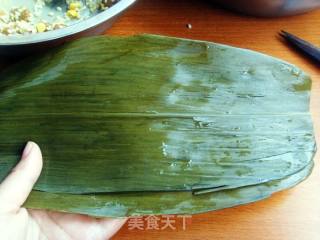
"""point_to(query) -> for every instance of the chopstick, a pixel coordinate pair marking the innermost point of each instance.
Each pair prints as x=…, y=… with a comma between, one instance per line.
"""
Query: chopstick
x=304, y=46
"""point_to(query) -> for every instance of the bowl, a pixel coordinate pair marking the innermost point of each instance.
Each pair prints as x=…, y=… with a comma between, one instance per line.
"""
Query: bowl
x=95, y=24
x=271, y=8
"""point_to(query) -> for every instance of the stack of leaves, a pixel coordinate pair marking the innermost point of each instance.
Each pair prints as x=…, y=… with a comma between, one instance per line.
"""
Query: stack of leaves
x=156, y=125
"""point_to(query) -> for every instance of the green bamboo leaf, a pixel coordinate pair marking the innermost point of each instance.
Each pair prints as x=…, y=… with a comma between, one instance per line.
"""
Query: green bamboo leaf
x=143, y=203
x=149, y=114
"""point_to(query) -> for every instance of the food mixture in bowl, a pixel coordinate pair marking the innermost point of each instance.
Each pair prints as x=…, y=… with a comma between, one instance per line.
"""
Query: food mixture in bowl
x=38, y=16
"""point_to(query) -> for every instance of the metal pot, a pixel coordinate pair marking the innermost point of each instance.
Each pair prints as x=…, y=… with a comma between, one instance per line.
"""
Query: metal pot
x=11, y=46
x=271, y=8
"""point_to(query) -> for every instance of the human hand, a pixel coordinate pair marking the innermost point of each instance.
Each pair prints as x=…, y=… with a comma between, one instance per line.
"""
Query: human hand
x=18, y=223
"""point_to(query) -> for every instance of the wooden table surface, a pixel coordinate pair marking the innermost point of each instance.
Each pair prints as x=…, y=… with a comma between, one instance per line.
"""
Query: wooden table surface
x=290, y=215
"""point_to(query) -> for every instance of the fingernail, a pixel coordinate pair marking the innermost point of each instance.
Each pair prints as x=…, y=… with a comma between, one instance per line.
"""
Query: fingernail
x=27, y=150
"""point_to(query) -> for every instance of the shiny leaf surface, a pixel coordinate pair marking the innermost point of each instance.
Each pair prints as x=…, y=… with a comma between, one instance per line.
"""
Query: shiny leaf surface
x=155, y=114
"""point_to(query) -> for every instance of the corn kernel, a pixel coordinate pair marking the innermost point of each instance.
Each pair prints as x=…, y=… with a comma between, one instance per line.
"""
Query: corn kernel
x=74, y=6
x=41, y=27
x=2, y=13
x=73, y=14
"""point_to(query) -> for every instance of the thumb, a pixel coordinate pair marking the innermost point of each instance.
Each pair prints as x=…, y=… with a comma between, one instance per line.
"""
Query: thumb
x=14, y=190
